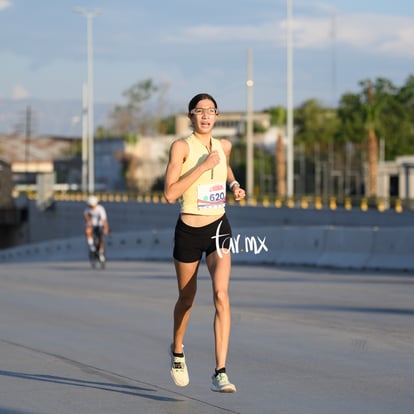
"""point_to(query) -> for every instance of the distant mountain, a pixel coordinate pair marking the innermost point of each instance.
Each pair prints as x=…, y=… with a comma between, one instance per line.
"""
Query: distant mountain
x=61, y=118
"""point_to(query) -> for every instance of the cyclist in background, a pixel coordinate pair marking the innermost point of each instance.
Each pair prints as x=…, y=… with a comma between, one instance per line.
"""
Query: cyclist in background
x=96, y=225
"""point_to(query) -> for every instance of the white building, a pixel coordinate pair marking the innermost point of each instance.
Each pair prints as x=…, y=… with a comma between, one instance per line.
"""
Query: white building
x=396, y=178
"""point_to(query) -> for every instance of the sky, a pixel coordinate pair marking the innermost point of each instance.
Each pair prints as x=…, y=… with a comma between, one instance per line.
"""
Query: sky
x=203, y=46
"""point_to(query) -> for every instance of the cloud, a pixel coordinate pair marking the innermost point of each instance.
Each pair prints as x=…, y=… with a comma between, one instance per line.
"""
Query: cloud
x=4, y=4
x=225, y=33
x=379, y=34
x=20, y=92
x=371, y=33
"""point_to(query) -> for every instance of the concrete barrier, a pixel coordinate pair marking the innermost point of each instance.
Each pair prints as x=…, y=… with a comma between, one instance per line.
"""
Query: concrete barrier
x=65, y=218
x=347, y=247
x=393, y=248
x=144, y=245
x=255, y=244
x=301, y=245
x=149, y=244
x=319, y=246
x=57, y=250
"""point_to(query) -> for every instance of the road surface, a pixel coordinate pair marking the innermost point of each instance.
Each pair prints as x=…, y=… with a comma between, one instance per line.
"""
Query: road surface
x=311, y=341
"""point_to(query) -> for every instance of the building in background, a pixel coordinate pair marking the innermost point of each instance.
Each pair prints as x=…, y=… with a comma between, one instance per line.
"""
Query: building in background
x=6, y=185
x=109, y=166
x=121, y=166
x=30, y=156
x=396, y=178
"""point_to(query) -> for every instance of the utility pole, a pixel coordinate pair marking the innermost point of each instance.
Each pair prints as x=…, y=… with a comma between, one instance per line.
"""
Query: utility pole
x=28, y=133
x=289, y=128
x=333, y=41
x=85, y=137
x=91, y=167
x=249, y=134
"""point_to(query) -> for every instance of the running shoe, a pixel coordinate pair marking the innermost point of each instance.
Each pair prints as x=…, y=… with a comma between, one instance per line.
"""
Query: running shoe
x=221, y=383
x=179, y=372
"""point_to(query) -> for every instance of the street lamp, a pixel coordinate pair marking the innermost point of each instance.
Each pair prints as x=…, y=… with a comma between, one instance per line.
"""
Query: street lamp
x=249, y=134
x=91, y=168
x=289, y=129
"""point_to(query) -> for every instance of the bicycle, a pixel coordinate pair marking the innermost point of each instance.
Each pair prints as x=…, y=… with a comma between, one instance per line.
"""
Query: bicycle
x=97, y=256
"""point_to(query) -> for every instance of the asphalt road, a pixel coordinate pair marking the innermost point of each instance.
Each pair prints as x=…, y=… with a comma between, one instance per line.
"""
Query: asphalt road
x=77, y=340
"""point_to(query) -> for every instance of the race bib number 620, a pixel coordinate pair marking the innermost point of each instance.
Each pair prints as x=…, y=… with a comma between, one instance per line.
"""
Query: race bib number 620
x=211, y=195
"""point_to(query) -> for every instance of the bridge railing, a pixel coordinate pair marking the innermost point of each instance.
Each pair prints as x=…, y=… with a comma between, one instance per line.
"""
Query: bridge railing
x=265, y=200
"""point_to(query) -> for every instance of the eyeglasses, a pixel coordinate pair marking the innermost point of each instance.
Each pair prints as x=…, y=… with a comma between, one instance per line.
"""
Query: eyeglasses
x=201, y=111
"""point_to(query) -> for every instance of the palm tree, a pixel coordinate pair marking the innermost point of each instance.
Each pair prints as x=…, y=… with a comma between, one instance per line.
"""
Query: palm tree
x=372, y=110
x=280, y=167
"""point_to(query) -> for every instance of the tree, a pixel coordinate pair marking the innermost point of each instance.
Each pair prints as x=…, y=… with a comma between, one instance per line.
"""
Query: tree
x=400, y=122
x=372, y=109
x=382, y=115
x=314, y=123
x=278, y=115
x=378, y=111
x=351, y=119
x=142, y=112
x=280, y=167
x=315, y=132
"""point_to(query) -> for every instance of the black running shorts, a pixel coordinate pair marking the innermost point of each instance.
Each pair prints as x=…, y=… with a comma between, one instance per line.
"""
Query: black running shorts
x=191, y=242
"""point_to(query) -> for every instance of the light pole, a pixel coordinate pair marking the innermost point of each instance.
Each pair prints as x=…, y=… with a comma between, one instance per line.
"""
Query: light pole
x=249, y=134
x=91, y=168
x=85, y=137
x=289, y=80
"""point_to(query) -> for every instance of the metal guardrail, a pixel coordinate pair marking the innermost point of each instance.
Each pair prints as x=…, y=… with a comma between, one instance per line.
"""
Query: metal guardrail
x=304, y=202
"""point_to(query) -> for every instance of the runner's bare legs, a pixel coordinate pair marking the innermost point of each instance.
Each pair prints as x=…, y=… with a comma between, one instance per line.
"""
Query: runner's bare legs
x=220, y=268
x=187, y=288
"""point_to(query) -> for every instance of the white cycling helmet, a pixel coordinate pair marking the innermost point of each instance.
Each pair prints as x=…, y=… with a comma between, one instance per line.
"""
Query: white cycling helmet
x=92, y=201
